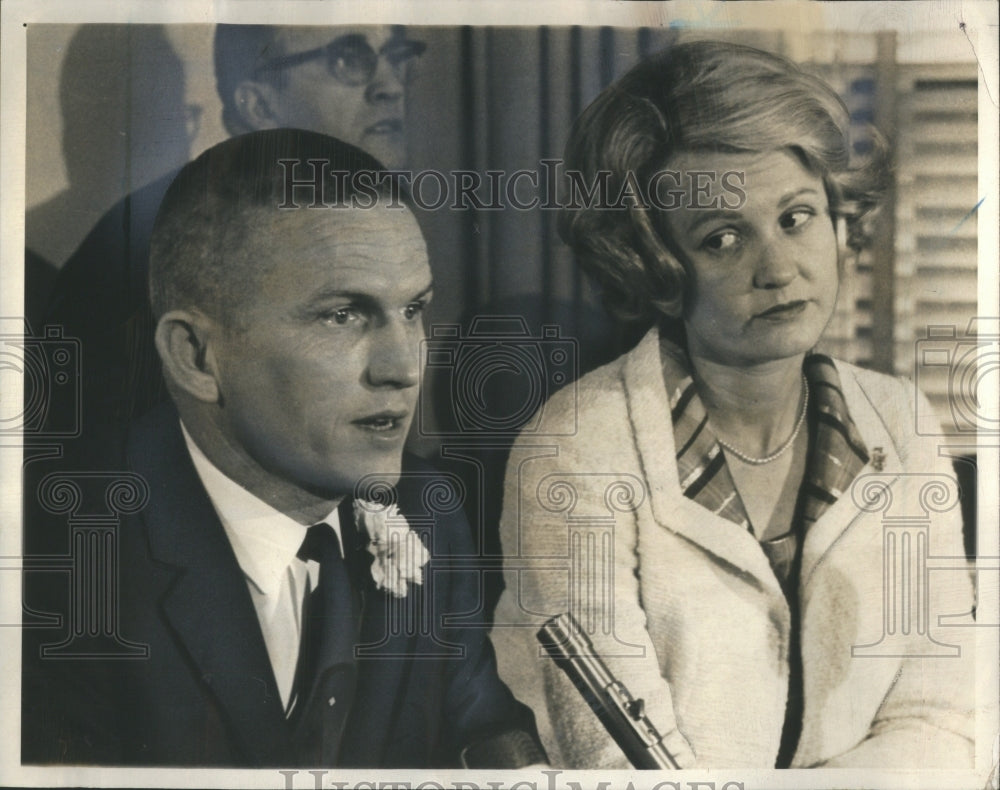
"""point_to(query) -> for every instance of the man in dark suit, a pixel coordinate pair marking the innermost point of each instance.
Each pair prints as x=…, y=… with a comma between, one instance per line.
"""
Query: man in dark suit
x=271, y=605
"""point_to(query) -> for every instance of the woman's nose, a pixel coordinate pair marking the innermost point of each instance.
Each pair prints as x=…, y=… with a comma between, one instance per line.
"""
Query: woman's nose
x=777, y=265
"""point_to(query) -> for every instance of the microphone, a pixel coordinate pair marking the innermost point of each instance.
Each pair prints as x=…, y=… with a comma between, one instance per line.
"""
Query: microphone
x=621, y=714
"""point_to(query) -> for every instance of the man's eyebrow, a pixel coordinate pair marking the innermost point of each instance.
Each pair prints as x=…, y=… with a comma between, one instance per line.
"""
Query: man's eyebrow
x=424, y=292
x=348, y=38
x=363, y=297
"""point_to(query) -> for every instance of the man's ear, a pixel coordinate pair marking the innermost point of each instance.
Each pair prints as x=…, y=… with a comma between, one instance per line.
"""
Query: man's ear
x=256, y=104
x=182, y=340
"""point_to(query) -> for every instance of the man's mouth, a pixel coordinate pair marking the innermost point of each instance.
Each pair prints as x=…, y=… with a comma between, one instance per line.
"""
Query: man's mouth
x=784, y=310
x=382, y=422
x=388, y=126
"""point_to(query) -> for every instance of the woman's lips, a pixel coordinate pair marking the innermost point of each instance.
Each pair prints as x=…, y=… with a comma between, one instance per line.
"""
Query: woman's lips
x=784, y=311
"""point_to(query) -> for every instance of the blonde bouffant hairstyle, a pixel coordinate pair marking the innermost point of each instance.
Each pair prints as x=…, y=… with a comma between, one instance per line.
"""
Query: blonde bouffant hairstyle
x=702, y=96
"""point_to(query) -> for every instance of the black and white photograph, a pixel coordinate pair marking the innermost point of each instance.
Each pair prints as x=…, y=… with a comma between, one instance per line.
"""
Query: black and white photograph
x=502, y=395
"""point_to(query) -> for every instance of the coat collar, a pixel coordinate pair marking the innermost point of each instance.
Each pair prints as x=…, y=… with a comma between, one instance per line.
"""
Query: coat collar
x=650, y=415
x=649, y=412
x=866, y=402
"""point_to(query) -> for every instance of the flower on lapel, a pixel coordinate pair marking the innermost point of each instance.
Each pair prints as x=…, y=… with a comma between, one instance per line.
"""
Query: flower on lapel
x=399, y=553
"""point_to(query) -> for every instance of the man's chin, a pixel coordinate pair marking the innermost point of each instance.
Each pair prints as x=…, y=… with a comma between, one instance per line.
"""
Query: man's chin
x=371, y=478
x=353, y=475
x=387, y=148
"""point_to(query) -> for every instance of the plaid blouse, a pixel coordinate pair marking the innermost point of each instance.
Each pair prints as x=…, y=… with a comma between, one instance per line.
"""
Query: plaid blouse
x=837, y=452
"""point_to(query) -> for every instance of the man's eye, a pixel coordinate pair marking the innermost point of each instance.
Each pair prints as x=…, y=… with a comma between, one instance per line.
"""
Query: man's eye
x=351, y=54
x=723, y=240
x=349, y=59
x=342, y=315
x=414, y=309
x=796, y=218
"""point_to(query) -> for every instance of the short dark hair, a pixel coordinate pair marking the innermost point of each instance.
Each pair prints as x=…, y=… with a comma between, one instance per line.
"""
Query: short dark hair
x=207, y=218
x=700, y=96
x=242, y=52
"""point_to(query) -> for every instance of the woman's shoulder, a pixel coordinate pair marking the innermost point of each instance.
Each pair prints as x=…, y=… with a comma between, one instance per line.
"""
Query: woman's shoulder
x=896, y=402
x=879, y=390
x=873, y=383
x=594, y=388
x=584, y=412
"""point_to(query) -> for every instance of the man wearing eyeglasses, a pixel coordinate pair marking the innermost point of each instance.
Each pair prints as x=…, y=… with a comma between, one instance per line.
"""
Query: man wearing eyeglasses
x=347, y=82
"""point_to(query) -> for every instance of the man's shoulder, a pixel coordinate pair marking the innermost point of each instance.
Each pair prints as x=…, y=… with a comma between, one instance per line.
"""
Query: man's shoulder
x=420, y=476
x=154, y=440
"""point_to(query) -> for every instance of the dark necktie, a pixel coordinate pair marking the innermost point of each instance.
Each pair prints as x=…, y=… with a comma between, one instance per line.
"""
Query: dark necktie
x=325, y=673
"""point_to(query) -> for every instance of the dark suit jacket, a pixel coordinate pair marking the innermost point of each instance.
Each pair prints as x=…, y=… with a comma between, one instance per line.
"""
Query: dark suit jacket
x=424, y=675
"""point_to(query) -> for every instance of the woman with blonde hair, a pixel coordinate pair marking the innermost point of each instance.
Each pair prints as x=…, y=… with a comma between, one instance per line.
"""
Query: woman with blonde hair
x=739, y=589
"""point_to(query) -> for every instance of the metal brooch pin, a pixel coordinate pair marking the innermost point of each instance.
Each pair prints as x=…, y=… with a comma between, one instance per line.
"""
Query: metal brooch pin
x=878, y=459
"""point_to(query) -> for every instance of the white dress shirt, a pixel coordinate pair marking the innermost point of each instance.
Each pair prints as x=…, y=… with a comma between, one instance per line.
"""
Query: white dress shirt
x=266, y=543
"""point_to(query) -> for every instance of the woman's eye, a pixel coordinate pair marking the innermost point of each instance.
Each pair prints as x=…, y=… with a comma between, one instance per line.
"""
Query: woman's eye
x=723, y=240
x=797, y=218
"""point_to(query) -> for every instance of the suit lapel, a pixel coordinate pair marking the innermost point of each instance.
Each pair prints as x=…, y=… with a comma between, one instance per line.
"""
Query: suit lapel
x=389, y=632
x=369, y=658
x=208, y=605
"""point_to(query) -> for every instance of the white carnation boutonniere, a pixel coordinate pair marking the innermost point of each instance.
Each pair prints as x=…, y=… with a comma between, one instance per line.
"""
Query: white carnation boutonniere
x=399, y=554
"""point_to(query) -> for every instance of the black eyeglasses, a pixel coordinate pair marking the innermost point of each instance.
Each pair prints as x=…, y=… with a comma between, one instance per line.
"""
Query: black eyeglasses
x=352, y=61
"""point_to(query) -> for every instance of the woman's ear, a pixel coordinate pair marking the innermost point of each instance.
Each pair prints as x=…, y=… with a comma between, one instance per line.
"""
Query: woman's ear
x=256, y=104
x=183, y=340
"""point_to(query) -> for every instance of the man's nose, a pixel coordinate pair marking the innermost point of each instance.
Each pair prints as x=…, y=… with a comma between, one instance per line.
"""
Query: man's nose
x=386, y=86
x=395, y=355
x=777, y=265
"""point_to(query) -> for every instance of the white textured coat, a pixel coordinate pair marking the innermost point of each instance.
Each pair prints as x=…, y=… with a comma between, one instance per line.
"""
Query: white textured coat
x=689, y=615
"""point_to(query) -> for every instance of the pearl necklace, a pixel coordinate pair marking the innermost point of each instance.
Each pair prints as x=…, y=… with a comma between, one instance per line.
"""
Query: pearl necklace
x=754, y=460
